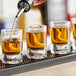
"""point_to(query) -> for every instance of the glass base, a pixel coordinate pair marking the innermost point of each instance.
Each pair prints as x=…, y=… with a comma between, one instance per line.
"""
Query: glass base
x=37, y=54
x=60, y=49
x=74, y=46
x=12, y=59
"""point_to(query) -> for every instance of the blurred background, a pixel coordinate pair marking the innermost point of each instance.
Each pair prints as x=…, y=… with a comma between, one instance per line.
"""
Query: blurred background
x=41, y=13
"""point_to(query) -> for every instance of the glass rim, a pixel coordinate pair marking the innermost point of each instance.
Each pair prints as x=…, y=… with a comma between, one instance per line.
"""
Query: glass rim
x=29, y=26
x=73, y=20
x=16, y=30
x=59, y=23
x=40, y=28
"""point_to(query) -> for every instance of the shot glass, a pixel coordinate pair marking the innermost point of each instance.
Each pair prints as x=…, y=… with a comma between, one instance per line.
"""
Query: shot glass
x=36, y=41
x=59, y=33
x=74, y=34
x=11, y=46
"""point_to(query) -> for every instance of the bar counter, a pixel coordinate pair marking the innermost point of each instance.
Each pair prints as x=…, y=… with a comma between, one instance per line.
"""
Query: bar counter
x=66, y=69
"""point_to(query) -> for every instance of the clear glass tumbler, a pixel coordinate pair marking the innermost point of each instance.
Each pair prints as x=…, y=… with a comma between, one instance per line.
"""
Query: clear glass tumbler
x=60, y=36
x=74, y=34
x=11, y=46
x=36, y=41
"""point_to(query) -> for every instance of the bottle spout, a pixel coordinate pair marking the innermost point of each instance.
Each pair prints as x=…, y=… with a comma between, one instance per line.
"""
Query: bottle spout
x=20, y=11
x=25, y=4
x=23, y=7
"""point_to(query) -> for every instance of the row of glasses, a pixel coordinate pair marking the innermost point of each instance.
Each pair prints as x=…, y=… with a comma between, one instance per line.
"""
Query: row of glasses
x=36, y=39
x=12, y=44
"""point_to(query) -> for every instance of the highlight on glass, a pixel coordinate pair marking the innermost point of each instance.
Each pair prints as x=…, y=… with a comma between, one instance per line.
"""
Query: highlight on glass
x=59, y=33
x=74, y=34
x=36, y=41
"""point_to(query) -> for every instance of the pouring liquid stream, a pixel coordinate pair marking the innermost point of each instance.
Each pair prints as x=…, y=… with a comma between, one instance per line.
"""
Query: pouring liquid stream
x=11, y=32
x=13, y=25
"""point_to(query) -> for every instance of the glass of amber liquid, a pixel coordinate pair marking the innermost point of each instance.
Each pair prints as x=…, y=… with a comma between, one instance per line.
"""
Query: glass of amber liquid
x=59, y=32
x=74, y=34
x=11, y=46
x=36, y=41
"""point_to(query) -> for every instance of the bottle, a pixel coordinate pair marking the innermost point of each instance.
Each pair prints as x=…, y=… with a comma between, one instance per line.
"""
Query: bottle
x=25, y=5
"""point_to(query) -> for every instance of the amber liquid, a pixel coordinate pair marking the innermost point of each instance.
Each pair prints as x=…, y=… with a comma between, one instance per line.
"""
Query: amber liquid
x=74, y=31
x=59, y=35
x=35, y=41
x=11, y=47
